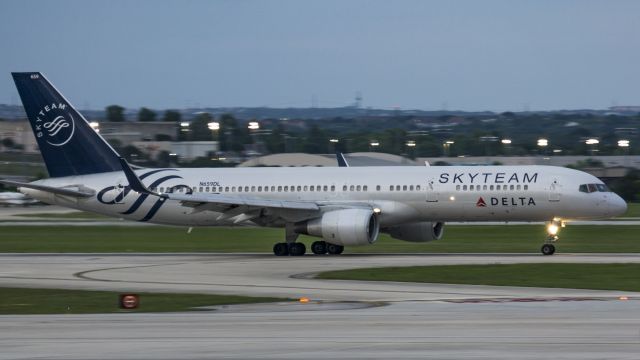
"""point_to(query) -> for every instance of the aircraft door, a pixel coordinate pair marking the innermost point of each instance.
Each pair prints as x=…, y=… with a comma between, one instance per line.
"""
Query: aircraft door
x=555, y=190
x=432, y=191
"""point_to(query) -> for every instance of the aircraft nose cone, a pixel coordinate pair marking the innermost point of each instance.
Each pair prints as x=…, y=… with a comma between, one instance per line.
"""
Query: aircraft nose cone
x=618, y=206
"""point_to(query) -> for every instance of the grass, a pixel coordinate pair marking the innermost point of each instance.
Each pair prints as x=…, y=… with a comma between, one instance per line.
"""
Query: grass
x=56, y=301
x=633, y=210
x=457, y=239
x=623, y=277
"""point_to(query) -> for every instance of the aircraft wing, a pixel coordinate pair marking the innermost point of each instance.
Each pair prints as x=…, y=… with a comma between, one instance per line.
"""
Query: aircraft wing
x=73, y=190
x=233, y=201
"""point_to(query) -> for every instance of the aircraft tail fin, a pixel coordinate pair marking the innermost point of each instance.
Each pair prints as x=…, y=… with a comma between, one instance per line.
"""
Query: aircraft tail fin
x=67, y=142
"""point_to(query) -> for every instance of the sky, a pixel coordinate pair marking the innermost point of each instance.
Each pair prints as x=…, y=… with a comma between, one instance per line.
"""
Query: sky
x=498, y=55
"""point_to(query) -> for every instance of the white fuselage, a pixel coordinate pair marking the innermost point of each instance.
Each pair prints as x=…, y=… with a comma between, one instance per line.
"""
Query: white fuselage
x=402, y=194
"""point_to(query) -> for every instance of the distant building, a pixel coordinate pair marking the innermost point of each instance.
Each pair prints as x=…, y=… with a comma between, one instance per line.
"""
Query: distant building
x=20, y=133
x=125, y=133
x=129, y=131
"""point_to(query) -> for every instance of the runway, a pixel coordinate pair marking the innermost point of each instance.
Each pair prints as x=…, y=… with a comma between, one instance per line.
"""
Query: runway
x=345, y=320
x=266, y=275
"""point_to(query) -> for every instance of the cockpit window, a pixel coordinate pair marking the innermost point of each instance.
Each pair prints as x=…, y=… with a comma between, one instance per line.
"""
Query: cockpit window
x=589, y=188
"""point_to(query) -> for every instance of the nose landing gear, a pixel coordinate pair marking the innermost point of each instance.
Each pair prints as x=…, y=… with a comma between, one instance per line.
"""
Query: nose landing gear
x=553, y=228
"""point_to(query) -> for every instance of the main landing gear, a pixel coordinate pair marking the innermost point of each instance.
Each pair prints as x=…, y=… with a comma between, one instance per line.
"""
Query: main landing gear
x=553, y=228
x=293, y=248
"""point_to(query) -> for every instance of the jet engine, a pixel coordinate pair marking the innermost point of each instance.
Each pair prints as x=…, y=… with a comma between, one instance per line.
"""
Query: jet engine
x=343, y=227
x=417, y=232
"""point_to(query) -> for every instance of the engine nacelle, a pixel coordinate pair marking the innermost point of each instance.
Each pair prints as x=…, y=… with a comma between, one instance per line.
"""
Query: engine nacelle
x=417, y=232
x=343, y=227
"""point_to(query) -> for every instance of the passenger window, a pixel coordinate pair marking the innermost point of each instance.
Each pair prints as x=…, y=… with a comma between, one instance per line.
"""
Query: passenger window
x=458, y=187
x=273, y=188
x=390, y=187
x=299, y=188
x=484, y=187
x=364, y=188
x=358, y=188
x=411, y=188
x=312, y=188
x=490, y=187
x=404, y=188
x=526, y=187
x=333, y=188
x=511, y=187
x=470, y=187
x=233, y=189
x=259, y=188
x=351, y=188
x=418, y=187
x=344, y=188
x=253, y=189
x=377, y=187
x=464, y=187
x=325, y=188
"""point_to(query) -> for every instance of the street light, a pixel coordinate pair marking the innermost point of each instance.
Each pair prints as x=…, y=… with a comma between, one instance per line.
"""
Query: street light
x=446, y=145
x=334, y=140
x=253, y=125
x=506, y=141
x=214, y=125
x=592, y=141
x=411, y=143
x=624, y=143
x=543, y=142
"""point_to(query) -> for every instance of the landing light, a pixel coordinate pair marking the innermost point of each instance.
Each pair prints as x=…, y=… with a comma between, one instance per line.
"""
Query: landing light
x=552, y=229
x=304, y=300
x=452, y=198
x=377, y=210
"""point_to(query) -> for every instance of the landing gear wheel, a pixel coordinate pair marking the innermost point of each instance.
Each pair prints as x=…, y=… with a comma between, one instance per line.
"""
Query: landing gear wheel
x=297, y=249
x=333, y=249
x=319, y=247
x=548, y=249
x=281, y=249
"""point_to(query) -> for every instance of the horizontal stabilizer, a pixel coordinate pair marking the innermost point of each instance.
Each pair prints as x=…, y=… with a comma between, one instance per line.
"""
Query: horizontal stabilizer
x=72, y=190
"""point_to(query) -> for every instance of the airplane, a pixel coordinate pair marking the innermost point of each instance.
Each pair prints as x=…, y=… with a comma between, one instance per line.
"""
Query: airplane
x=13, y=198
x=343, y=206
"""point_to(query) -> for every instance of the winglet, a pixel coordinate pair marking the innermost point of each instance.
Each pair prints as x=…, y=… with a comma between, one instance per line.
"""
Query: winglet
x=342, y=162
x=134, y=181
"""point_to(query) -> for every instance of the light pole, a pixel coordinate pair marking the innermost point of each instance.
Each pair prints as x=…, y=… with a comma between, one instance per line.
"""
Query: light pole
x=593, y=143
x=507, y=145
x=446, y=146
x=333, y=143
x=373, y=144
x=542, y=144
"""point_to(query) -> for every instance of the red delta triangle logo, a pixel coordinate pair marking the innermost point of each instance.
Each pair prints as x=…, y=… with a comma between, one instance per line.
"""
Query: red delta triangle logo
x=481, y=203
